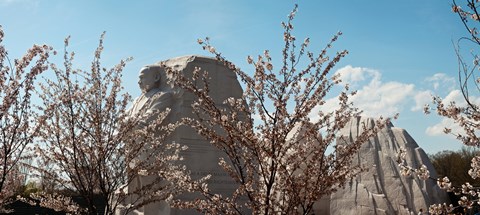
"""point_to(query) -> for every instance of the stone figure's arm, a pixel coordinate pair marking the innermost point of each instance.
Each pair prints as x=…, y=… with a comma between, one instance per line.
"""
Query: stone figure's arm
x=162, y=102
x=159, y=104
x=129, y=111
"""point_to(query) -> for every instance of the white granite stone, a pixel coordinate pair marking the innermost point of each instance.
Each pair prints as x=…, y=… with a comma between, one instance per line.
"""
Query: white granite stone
x=201, y=158
x=382, y=189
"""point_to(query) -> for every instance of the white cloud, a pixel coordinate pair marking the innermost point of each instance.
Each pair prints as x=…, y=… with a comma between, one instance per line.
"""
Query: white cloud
x=452, y=96
x=386, y=98
x=374, y=97
x=441, y=81
x=445, y=85
x=455, y=96
x=354, y=75
x=438, y=84
x=437, y=129
x=421, y=99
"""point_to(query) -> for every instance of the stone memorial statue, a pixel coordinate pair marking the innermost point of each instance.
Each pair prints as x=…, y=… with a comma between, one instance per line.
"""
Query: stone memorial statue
x=201, y=158
x=157, y=96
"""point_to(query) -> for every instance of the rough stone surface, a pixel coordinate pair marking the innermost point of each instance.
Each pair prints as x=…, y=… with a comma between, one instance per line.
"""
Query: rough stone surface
x=382, y=189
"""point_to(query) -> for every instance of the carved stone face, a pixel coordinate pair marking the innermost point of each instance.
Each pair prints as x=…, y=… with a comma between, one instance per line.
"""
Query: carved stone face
x=148, y=79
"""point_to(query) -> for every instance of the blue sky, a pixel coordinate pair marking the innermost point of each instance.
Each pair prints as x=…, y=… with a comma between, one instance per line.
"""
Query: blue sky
x=401, y=52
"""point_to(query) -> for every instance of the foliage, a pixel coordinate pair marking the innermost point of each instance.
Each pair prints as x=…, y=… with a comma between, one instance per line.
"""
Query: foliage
x=284, y=162
x=17, y=129
x=92, y=145
x=455, y=165
x=28, y=189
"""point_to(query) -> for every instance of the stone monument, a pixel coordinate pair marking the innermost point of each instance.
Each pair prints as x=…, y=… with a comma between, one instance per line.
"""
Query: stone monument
x=156, y=97
x=201, y=158
x=382, y=189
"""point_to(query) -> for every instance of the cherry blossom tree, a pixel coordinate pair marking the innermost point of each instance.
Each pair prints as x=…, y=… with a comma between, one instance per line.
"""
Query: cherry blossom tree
x=93, y=143
x=286, y=161
x=17, y=129
x=464, y=114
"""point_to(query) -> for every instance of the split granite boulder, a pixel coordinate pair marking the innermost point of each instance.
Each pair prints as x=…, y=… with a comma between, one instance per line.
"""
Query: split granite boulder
x=382, y=189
